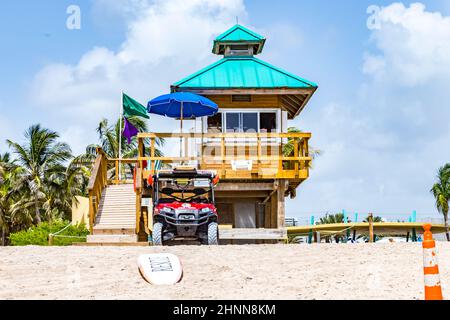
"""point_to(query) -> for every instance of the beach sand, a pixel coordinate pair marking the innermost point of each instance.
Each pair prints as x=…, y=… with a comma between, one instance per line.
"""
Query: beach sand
x=325, y=271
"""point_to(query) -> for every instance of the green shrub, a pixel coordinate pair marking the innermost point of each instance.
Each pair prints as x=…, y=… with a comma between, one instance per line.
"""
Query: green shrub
x=38, y=235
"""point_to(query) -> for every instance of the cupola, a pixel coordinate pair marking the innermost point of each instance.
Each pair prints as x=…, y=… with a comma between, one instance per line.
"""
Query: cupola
x=238, y=41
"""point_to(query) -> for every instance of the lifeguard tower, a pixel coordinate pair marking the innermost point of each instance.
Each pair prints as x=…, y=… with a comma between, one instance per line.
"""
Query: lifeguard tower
x=247, y=142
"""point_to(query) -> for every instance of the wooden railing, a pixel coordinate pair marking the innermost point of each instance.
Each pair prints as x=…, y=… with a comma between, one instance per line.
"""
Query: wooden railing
x=222, y=151
x=106, y=171
x=97, y=183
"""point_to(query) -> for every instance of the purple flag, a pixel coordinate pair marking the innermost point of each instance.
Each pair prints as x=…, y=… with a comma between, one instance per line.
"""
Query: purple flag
x=129, y=130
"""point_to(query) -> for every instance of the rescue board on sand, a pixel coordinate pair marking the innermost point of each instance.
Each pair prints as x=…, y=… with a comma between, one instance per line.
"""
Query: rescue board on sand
x=160, y=268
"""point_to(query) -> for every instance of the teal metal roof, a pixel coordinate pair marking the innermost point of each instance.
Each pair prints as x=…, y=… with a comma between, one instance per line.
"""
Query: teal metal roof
x=243, y=72
x=239, y=33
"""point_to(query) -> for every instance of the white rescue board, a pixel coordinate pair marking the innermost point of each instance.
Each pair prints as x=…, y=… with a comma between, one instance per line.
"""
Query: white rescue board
x=160, y=268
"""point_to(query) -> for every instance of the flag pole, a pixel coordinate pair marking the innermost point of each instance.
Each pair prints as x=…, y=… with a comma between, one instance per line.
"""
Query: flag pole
x=120, y=134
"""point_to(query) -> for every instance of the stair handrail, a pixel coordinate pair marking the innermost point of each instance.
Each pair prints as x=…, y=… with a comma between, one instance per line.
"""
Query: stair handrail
x=97, y=183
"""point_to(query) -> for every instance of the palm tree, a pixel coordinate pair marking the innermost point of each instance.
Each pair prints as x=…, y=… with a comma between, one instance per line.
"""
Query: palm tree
x=109, y=140
x=10, y=186
x=39, y=157
x=441, y=192
x=331, y=219
x=288, y=148
x=288, y=151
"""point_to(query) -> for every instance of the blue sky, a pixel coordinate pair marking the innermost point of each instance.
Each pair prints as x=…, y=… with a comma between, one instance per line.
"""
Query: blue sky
x=380, y=114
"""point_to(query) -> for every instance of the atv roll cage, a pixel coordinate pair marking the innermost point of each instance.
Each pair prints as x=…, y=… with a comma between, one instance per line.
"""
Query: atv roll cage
x=177, y=184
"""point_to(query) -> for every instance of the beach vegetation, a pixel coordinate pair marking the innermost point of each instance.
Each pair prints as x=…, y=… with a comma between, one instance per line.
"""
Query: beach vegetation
x=288, y=148
x=40, y=179
x=110, y=139
x=38, y=235
x=441, y=193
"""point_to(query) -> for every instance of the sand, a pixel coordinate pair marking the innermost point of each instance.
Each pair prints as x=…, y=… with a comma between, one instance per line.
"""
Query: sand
x=325, y=271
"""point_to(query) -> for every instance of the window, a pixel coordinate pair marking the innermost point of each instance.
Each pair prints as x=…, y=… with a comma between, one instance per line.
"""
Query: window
x=215, y=123
x=246, y=122
x=249, y=122
x=233, y=122
x=268, y=122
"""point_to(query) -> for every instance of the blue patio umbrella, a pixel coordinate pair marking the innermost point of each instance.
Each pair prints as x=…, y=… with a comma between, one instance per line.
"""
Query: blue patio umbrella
x=182, y=105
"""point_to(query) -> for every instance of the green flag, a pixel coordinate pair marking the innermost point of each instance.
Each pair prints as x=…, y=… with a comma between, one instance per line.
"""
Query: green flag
x=133, y=108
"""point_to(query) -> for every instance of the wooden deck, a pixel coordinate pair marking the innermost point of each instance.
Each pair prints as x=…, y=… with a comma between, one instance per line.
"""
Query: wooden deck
x=221, y=152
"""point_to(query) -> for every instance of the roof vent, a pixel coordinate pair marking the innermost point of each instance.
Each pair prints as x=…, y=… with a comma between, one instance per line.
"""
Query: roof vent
x=241, y=98
x=238, y=50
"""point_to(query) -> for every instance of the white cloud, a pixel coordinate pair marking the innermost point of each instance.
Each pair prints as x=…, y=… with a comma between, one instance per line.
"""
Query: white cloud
x=165, y=41
x=415, y=45
x=383, y=147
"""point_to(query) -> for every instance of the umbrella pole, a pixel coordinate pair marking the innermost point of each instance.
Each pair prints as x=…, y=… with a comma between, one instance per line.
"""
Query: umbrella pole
x=181, y=131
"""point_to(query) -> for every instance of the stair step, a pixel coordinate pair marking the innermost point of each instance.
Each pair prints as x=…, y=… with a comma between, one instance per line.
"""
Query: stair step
x=119, y=238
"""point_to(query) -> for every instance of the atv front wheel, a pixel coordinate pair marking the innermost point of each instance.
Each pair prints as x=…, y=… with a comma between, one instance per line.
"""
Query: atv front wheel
x=157, y=234
x=213, y=234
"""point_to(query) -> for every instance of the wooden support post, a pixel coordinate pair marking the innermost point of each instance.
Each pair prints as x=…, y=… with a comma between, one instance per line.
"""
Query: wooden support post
x=407, y=236
x=281, y=215
x=273, y=210
x=152, y=154
x=296, y=149
x=259, y=152
x=317, y=237
x=117, y=172
x=280, y=159
x=141, y=151
x=414, y=235
x=371, y=235
x=186, y=147
x=50, y=239
x=354, y=235
x=91, y=212
x=222, y=155
x=267, y=214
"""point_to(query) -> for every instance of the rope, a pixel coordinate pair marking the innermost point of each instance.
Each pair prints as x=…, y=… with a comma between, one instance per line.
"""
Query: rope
x=327, y=234
x=56, y=235
x=77, y=237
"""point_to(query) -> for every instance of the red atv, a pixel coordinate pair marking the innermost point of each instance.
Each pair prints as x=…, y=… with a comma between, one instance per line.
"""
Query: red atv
x=183, y=206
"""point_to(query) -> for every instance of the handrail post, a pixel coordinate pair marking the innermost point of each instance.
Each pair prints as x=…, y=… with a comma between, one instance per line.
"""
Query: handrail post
x=152, y=155
x=138, y=196
x=117, y=172
x=222, y=154
x=259, y=151
x=296, y=151
x=280, y=158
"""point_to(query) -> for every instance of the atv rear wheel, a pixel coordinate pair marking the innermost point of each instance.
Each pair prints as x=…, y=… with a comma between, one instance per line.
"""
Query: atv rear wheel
x=157, y=234
x=213, y=234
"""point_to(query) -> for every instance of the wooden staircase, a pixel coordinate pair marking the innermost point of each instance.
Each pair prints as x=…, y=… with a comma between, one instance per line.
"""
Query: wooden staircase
x=115, y=221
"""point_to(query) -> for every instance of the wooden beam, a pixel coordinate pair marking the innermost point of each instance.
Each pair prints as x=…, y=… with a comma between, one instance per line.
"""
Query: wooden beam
x=240, y=194
x=309, y=96
x=370, y=219
x=289, y=106
x=241, y=187
x=221, y=135
x=253, y=234
x=298, y=99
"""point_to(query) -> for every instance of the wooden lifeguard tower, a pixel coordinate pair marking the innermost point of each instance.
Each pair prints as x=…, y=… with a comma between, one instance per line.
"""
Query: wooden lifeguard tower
x=246, y=142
